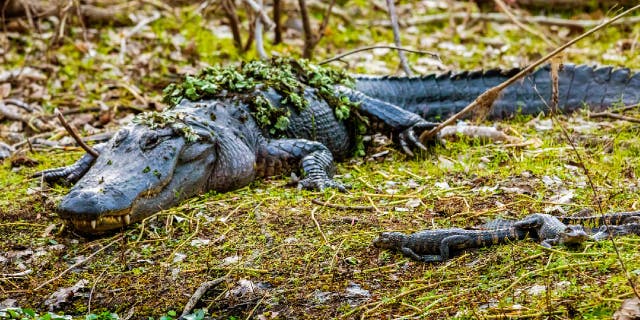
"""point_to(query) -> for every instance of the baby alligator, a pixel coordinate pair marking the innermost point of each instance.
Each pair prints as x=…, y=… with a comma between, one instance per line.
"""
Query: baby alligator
x=616, y=230
x=436, y=245
x=547, y=229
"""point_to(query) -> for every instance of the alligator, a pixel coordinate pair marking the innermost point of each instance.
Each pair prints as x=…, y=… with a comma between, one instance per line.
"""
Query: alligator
x=146, y=167
x=615, y=218
x=607, y=231
x=438, y=245
x=545, y=228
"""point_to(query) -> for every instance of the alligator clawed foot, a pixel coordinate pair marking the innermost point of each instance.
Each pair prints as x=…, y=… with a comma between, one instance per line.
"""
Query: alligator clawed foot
x=321, y=184
x=408, y=139
x=63, y=175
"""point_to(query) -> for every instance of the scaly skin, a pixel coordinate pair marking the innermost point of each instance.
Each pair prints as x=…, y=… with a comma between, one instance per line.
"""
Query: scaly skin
x=437, y=97
x=605, y=232
x=550, y=231
x=437, y=245
x=616, y=218
x=142, y=170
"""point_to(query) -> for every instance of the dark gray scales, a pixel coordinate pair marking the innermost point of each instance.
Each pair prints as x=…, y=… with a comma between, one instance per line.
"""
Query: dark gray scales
x=438, y=245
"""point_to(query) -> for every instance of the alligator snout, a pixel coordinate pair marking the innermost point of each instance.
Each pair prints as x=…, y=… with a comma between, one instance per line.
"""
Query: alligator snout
x=92, y=206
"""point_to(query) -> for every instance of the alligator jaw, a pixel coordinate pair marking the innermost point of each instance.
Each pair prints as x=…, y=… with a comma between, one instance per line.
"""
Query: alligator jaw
x=104, y=223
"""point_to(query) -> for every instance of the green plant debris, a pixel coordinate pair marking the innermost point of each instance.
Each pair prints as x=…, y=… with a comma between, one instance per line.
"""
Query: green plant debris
x=288, y=77
x=176, y=121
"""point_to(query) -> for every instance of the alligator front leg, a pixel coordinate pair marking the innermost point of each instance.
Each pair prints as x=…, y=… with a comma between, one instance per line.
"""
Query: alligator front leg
x=311, y=157
x=452, y=242
x=71, y=173
x=423, y=258
x=406, y=124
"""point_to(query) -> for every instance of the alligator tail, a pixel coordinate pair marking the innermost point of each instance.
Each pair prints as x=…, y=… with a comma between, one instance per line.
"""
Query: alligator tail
x=616, y=218
x=437, y=97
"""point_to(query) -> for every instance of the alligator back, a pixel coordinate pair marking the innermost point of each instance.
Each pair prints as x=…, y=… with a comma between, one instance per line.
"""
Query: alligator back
x=437, y=97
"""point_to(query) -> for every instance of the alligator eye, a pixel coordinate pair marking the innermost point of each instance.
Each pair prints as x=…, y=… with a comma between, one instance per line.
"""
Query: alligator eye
x=120, y=136
x=149, y=140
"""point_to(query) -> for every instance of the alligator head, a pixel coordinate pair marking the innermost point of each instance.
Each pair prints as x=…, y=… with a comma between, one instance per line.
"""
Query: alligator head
x=143, y=170
x=573, y=235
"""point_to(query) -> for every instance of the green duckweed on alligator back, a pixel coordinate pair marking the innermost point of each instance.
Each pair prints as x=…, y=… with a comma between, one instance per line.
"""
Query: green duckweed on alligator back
x=228, y=126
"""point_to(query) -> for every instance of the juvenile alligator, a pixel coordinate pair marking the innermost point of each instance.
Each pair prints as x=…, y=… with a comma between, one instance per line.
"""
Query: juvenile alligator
x=146, y=168
x=438, y=245
x=616, y=218
x=545, y=228
x=604, y=232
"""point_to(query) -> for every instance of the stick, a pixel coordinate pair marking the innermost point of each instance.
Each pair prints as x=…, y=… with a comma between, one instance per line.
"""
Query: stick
x=341, y=207
x=230, y=11
x=396, y=37
x=607, y=114
x=488, y=97
x=342, y=55
x=257, y=9
x=75, y=135
x=522, y=26
x=202, y=289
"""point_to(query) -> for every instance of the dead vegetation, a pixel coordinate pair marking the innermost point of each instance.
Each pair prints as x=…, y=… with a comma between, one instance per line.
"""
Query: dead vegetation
x=282, y=253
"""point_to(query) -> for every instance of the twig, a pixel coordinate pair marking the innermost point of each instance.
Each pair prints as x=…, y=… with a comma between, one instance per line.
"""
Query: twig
x=503, y=18
x=396, y=37
x=311, y=39
x=75, y=135
x=277, y=13
x=197, y=295
x=341, y=207
x=77, y=264
x=486, y=99
x=16, y=275
x=342, y=55
x=234, y=23
x=258, y=10
x=608, y=114
x=522, y=26
x=315, y=221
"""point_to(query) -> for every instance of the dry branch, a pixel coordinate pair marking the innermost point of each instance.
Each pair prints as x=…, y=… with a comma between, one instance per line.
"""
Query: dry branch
x=229, y=8
x=75, y=135
x=393, y=17
x=342, y=55
x=611, y=115
x=197, y=295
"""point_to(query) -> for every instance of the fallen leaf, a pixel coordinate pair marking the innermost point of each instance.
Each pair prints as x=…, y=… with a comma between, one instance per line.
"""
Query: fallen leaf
x=629, y=310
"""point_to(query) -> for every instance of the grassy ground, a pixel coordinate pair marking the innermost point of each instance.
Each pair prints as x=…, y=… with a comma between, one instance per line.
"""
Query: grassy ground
x=286, y=257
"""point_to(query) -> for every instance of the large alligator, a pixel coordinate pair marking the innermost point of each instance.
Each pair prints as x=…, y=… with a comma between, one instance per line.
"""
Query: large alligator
x=217, y=144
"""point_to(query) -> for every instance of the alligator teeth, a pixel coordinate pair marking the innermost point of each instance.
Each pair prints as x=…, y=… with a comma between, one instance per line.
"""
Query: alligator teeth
x=93, y=224
x=127, y=219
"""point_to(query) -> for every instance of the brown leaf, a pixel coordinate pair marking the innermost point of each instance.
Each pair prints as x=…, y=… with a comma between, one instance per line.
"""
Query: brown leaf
x=5, y=90
x=629, y=310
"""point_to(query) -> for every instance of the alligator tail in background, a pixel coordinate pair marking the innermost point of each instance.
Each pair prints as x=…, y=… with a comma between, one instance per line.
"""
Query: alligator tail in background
x=437, y=97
